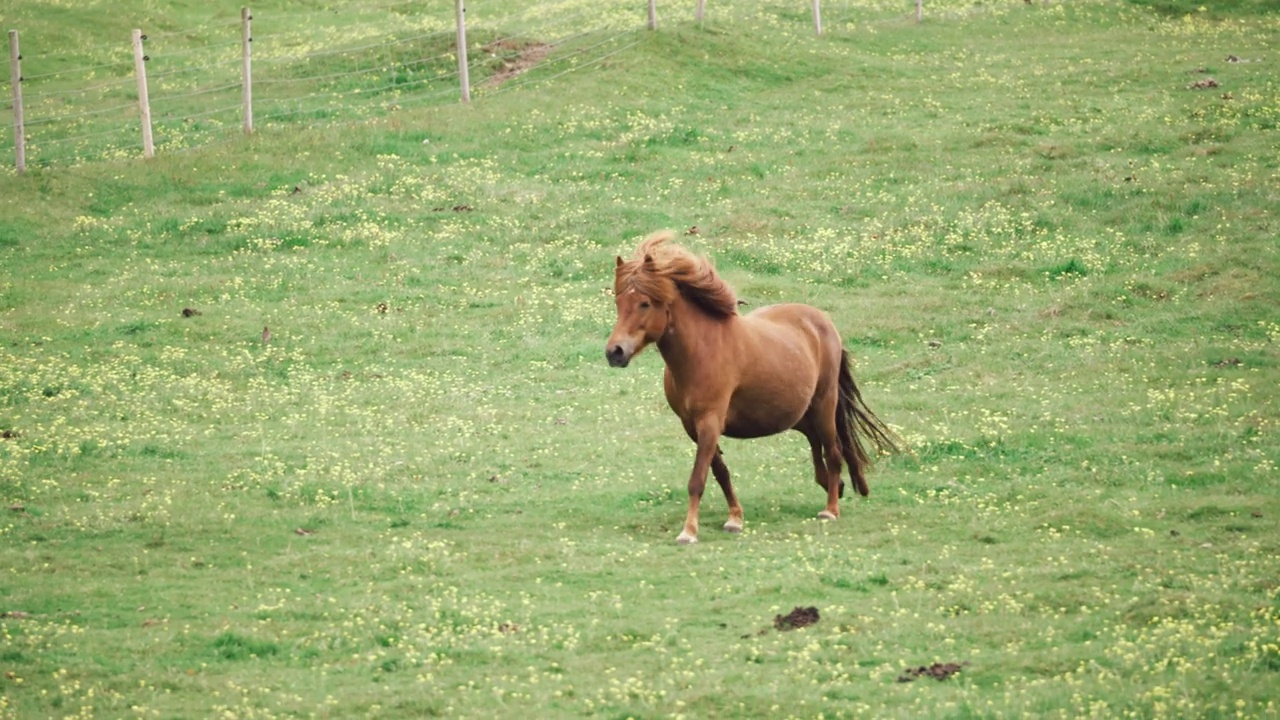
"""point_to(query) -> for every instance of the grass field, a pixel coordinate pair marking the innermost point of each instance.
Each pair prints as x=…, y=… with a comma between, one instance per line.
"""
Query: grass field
x=1052, y=256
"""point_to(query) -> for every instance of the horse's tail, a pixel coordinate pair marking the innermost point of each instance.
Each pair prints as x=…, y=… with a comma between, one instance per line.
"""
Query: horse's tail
x=855, y=422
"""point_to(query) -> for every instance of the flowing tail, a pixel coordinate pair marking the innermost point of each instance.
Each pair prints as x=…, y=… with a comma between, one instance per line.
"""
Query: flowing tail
x=854, y=422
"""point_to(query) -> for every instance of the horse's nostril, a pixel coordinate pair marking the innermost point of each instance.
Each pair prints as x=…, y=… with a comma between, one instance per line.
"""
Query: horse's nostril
x=616, y=355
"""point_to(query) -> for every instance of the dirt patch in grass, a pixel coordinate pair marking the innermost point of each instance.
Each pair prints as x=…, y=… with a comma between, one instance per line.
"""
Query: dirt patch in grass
x=517, y=58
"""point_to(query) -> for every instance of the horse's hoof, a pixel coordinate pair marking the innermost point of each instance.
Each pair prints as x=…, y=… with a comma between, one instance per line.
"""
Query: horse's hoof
x=686, y=539
x=826, y=515
x=733, y=526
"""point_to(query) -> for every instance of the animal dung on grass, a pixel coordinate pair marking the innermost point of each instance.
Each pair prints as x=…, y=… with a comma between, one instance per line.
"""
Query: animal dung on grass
x=937, y=671
x=799, y=617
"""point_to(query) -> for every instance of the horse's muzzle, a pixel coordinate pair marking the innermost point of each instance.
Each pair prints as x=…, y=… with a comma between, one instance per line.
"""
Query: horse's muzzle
x=617, y=356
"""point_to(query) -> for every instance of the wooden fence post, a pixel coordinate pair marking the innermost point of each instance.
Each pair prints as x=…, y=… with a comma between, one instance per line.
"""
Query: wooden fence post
x=817, y=16
x=653, y=14
x=919, y=11
x=15, y=77
x=702, y=6
x=144, y=103
x=464, y=72
x=246, y=79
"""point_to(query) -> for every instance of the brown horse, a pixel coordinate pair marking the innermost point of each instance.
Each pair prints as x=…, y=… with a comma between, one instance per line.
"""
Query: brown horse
x=778, y=368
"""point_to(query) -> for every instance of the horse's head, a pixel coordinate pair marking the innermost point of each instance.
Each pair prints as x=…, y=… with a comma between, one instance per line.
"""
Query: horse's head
x=642, y=314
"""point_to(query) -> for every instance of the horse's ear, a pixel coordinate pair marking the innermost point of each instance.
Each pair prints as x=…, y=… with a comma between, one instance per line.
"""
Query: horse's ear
x=648, y=261
x=619, y=259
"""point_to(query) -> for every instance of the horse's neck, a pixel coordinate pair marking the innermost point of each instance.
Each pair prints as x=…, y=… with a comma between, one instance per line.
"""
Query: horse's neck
x=690, y=333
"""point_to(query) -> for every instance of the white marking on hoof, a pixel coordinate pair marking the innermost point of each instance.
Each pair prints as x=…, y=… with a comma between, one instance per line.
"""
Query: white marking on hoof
x=733, y=526
x=826, y=515
x=686, y=539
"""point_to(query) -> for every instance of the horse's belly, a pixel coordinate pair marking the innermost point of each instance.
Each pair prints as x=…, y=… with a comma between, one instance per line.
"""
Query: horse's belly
x=747, y=431
x=753, y=417
x=775, y=392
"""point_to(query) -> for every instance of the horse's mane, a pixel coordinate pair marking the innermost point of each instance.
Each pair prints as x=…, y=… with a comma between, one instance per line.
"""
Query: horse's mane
x=661, y=269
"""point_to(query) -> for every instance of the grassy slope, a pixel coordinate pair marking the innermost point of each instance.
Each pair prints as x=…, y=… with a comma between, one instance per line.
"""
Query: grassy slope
x=428, y=496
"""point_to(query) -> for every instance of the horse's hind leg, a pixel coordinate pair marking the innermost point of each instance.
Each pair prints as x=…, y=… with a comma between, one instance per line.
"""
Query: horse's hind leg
x=819, y=468
x=820, y=472
x=856, y=471
x=825, y=448
x=721, y=472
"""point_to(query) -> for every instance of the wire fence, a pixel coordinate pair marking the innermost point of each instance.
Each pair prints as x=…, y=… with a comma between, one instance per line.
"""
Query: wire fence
x=342, y=64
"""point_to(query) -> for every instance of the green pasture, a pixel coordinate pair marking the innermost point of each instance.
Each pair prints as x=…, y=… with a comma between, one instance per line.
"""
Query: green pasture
x=1050, y=246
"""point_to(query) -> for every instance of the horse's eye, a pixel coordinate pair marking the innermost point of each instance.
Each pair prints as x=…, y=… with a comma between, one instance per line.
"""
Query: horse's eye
x=644, y=304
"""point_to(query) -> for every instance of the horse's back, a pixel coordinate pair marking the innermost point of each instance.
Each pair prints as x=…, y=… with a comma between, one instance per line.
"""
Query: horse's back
x=795, y=320
x=783, y=312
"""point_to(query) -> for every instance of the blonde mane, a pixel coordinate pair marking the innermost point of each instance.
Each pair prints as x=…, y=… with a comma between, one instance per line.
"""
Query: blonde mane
x=661, y=269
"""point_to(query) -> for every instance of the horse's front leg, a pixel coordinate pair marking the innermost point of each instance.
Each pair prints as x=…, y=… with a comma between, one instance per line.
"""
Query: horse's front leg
x=721, y=471
x=708, y=437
